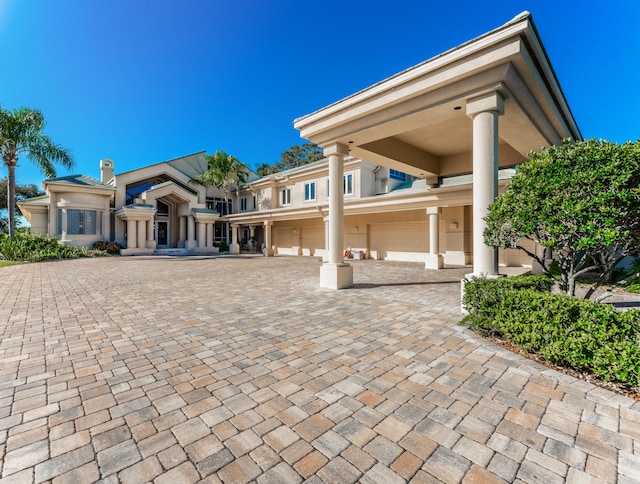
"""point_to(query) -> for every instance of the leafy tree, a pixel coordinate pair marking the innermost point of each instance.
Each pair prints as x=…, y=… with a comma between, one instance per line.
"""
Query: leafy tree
x=22, y=193
x=224, y=172
x=582, y=200
x=21, y=133
x=297, y=155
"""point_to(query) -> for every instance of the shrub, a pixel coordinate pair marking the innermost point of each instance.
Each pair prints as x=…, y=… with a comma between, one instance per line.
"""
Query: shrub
x=567, y=331
x=482, y=297
x=108, y=247
x=222, y=246
x=34, y=247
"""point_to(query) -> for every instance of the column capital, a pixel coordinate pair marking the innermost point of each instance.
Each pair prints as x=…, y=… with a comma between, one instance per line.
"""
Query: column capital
x=434, y=210
x=267, y=223
x=336, y=149
x=492, y=101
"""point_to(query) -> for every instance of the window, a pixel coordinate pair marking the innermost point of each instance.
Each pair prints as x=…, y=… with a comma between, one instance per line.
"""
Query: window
x=255, y=202
x=243, y=204
x=396, y=175
x=310, y=191
x=348, y=184
x=162, y=208
x=285, y=197
x=81, y=222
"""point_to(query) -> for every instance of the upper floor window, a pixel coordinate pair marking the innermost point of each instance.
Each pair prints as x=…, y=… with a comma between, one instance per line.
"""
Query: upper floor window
x=285, y=196
x=255, y=202
x=348, y=184
x=397, y=175
x=243, y=204
x=310, y=191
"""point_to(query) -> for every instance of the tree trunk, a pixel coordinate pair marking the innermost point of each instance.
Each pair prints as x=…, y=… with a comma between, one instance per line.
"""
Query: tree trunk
x=11, y=198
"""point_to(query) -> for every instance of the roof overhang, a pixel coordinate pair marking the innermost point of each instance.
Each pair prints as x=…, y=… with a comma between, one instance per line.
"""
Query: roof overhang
x=416, y=121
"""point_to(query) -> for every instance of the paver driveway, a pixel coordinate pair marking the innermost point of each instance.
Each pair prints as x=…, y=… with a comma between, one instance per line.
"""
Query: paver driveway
x=236, y=369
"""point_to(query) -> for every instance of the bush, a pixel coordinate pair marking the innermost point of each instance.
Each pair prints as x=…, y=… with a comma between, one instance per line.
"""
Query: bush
x=108, y=247
x=482, y=297
x=222, y=246
x=564, y=330
x=34, y=248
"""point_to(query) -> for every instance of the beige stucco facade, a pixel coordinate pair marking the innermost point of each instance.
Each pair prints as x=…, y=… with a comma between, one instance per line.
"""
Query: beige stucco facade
x=416, y=159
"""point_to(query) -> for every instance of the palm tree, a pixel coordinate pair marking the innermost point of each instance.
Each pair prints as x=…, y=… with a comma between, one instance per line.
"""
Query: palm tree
x=21, y=133
x=224, y=171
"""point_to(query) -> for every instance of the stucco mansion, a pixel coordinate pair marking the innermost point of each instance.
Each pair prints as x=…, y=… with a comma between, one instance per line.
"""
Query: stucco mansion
x=412, y=163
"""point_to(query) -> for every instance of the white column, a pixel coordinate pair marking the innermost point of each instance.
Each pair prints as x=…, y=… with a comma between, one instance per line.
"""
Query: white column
x=484, y=110
x=131, y=234
x=268, y=245
x=335, y=274
x=142, y=234
x=182, y=242
x=191, y=232
x=235, y=246
x=151, y=241
x=434, y=260
x=210, y=235
x=201, y=234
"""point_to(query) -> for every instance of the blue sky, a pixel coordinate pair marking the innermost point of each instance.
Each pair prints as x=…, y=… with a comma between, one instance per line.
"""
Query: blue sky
x=142, y=81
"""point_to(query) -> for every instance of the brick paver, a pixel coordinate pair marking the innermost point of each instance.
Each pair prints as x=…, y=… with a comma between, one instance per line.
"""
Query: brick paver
x=239, y=369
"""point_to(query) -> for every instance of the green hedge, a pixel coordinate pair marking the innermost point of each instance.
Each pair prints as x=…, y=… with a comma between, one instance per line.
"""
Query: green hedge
x=566, y=331
x=34, y=248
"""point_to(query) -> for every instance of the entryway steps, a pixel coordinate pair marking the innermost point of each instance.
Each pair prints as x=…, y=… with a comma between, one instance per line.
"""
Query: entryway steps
x=171, y=252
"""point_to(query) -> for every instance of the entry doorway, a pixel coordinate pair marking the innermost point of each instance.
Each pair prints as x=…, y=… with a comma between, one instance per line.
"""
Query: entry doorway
x=162, y=233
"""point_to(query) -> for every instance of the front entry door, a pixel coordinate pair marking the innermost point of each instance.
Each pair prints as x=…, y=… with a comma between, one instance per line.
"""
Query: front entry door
x=162, y=238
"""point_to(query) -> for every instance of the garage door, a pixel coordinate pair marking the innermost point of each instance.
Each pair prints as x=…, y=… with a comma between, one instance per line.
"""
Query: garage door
x=399, y=241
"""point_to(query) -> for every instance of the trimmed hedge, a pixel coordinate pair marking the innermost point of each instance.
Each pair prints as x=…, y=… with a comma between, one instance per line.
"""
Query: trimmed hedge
x=566, y=331
x=28, y=247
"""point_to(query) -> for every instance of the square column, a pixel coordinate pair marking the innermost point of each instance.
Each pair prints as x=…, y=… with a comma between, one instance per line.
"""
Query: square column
x=182, y=231
x=434, y=260
x=335, y=274
x=484, y=111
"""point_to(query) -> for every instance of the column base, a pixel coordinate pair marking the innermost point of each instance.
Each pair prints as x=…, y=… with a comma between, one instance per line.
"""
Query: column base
x=234, y=248
x=190, y=244
x=267, y=252
x=336, y=276
x=434, y=261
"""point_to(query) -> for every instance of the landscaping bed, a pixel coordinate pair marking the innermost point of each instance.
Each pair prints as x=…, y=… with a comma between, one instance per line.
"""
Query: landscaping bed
x=589, y=340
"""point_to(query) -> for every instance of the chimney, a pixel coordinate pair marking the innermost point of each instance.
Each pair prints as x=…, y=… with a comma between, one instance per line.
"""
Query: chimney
x=106, y=170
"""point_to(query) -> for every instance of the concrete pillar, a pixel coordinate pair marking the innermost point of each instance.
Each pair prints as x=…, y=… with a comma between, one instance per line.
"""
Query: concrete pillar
x=151, y=241
x=210, y=235
x=142, y=233
x=268, y=246
x=484, y=110
x=202, y=234
x=182, y=232
x=235, y=246
x=132, y=234
x=434, y=260
x=335, y=274
x=191, y=232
